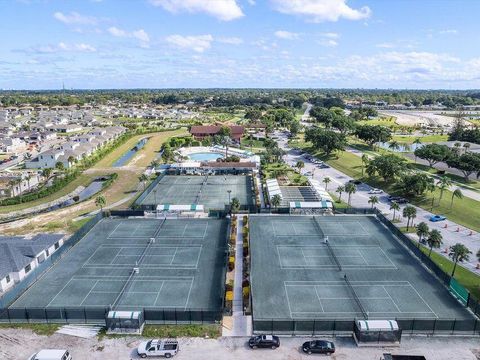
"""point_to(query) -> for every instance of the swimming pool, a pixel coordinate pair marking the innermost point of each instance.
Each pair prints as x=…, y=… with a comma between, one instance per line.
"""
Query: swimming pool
x=205, y=156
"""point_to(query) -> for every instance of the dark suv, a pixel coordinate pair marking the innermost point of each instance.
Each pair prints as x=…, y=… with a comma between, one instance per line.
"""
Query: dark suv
x=264, y=341
x=318, y=347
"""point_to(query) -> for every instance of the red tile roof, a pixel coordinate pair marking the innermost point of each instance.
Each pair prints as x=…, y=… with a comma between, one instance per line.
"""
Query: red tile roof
x=213, y=129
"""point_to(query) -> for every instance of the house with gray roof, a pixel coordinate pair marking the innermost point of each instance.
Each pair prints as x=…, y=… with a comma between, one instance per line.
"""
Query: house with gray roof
x=19, y=256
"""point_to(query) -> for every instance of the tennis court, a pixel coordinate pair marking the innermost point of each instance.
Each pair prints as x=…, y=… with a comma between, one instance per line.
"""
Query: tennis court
x=179, y=265
x=211, y=191
x=339, y=268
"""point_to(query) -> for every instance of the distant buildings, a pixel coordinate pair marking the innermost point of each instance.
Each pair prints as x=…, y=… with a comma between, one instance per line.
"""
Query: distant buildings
x=200, y=132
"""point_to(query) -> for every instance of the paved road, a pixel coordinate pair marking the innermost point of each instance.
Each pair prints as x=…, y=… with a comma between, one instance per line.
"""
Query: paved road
x=361, y=197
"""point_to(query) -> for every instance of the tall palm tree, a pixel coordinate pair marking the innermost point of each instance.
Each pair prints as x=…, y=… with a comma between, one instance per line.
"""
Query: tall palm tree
x=100, y=201
x=431, y=188
x=143, y=178
x=276, y=200
x=395, y=207
x=434, y=240
x=466, y=146
x=457, y=193
x=350, y=189
x=458, y=252
x=28, y=178
x=365, y=160
x=457, y=146
x=373, y=200
x=300, y=165
x=340, y=190
x=326, y=181
x=417, y=142
x=235, y=205
x=46, y=173
x=422, y=231
x=478, y=256
x=394, y=145
x=410, y=213
x=443, y=184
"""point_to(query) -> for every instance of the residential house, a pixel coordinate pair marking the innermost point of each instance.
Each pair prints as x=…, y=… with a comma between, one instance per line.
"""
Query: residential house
x=202, y=131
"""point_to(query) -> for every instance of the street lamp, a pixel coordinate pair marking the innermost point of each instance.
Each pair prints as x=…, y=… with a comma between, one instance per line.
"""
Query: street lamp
x=229, y=192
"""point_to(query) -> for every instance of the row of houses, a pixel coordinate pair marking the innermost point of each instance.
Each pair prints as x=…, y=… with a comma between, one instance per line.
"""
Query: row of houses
x=19, y=256
x=16, y=183
x=77, y=148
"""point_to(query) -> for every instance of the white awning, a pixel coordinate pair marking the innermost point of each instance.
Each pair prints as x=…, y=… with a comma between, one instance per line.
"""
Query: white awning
x=377, y=325
x=189, y=207
x=273, y=188
x=324, y=204
x=320, y=190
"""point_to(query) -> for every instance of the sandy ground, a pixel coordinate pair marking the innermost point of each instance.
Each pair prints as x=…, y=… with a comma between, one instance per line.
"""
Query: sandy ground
x=19, y=344
x=411, y=118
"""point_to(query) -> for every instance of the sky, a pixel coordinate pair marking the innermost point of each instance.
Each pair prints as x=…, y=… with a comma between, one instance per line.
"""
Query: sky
x=118, y=44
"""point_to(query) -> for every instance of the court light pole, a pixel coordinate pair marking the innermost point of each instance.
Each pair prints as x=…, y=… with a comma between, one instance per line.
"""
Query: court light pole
x=229, y=202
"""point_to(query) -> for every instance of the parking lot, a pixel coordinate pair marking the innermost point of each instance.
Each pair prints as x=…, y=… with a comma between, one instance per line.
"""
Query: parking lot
x=19, y=344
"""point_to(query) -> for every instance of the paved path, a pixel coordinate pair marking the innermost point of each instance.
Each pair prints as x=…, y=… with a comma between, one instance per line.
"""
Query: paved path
x=361, y=197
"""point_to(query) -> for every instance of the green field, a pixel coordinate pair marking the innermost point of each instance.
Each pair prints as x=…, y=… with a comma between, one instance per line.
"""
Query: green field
x=409, y=139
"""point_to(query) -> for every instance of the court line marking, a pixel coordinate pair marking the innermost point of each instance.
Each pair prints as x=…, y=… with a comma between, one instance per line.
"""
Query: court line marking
x=420, y=296
x=158, y=293
x=390, y=296
x=59, y=292
x=85, y=298
x=114, y=229
x=318, y=297
x=174, y=254
x=189, y=291
x=118, y=252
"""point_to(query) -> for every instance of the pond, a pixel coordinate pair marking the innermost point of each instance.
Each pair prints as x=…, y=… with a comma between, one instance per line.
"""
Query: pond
x=205, y=156
x=94, y=187
x=129, y=154
x=401, y=147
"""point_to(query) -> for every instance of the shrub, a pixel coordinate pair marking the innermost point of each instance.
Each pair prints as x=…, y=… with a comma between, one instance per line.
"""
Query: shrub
x=245, y=282
x=245, y=220
x=229, y=286
x=246, y=292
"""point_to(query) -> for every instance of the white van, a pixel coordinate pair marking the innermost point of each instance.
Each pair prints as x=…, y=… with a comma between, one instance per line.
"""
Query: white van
x=51, y=354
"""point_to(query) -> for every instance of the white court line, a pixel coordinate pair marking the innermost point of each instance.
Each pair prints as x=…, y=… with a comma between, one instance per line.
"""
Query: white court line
x=205, y=232
x=363, y=228
x=388, y=258
x=288, y=299
x=158, y=294
x=114, y=229
x=174, y=254
x=188, y=296
x=363, y=257
x=85, y=298
x=433, y=312
x=318, y=297
x=393, y=301
x=118, y=252
x=59, y=292
x=184, y=229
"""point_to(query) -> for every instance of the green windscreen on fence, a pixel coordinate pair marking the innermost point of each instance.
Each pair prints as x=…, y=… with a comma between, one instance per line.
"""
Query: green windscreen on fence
x=459, y=291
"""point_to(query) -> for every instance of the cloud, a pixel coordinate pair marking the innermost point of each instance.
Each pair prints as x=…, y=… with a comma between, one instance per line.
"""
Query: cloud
x=198, y=43
x=74, y=18
x=385, y=46
x=286, y=35
x=328, y=42
x=139, y=34
x=448, y=32
x=330, y=35
x=60, y=47
x=225, y=10
x=230, y=40
x=321, y=10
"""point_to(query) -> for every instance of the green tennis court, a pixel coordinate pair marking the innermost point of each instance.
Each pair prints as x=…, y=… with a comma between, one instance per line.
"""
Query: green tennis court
x=211, y=191
x=339, y=268
x=179, y=265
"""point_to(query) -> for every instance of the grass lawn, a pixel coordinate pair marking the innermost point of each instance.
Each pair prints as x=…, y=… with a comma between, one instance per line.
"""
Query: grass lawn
x=81, y=180
x=275, y=170
x=409, y=139
x=39, y=329
x=173, y=331
x=382, y=121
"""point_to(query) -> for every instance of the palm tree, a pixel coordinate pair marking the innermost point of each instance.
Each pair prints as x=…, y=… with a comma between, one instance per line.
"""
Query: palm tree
x=235, y=205
x=326, y=181
x=422, y=231
x=410, y=213
x=154, y=163
x=457, y=147
x=466, y=146
x=340, y=190
x=46, y=173
x=101, y=202
x=365, y=160
x=143, y=178
x=457, y=193
x=434, y=240
x=59, y=166
x=417, y=142
x=28, y=178
x=373, y=200
x=276, y=200
x=394, y=145
x=478, y=256
x=300, y=165
x=431, y=188
x=443, y=184
x=458, y=252
x=395, y=207
x=71, y=159
x=350, y=189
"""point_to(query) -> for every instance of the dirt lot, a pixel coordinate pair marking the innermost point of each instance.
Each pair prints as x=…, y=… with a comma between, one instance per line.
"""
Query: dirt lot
x=19, y=344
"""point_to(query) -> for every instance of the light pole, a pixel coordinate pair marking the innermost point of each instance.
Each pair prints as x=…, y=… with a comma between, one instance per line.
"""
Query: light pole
x=229, y=192
x=155, y=196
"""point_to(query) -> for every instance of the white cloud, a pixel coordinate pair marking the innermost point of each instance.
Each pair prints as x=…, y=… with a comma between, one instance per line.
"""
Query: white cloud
x=448, y=32
x=198, y=43
x=286, y=35
x=75, y=18
x=61, y=47
x=225, y=10
x=230, y=40
x=139, y=34
x=385, y=46
x=328, y=42
x=321, y=10
x=330, y=35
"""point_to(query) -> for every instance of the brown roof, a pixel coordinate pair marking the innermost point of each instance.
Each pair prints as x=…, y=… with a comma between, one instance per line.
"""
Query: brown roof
x=213, y=129
x=220, y=164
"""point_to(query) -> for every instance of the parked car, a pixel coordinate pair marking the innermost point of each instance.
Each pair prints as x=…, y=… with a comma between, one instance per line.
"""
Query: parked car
x=375, y=191
x=51, y=354
x=264, y=341
x=323, y=166
x=436, y=218
x=308, y=173
x=155, y=347
x=397, y=199
x=318, y=347
x=354, y=181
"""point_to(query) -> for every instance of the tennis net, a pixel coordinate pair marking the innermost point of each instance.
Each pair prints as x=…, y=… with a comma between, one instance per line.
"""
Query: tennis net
x=319, y=228
x=355, y=296
x=333, y=254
